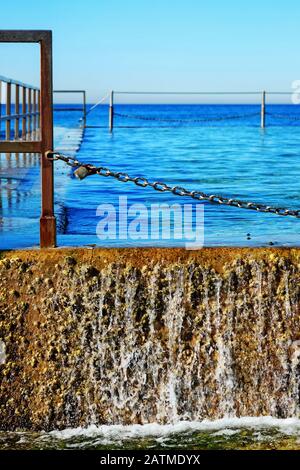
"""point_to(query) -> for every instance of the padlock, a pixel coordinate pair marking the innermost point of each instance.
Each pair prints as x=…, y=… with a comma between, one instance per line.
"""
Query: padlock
x=82, y=172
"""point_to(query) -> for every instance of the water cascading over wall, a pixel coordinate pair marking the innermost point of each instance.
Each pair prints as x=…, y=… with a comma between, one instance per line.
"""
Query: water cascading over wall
x=153, y=335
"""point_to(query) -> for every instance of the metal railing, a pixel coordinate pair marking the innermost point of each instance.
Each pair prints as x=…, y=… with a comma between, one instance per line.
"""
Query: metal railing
x=24, y=112
x=261, y=114
x=44, y=142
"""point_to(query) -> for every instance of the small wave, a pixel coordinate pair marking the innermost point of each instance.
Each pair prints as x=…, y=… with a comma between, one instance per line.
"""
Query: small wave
x=290, y=426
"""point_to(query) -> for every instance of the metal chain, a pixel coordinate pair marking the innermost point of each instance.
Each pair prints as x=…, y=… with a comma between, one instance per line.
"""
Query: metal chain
x=205, y=119
x=163, y=187
x=284, y=116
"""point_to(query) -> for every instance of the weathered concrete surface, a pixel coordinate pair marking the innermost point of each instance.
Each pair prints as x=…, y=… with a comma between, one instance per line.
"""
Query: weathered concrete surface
x=142, y=335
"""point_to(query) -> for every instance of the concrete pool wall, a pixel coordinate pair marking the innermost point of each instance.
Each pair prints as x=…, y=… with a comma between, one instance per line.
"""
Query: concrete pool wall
x=119, y=336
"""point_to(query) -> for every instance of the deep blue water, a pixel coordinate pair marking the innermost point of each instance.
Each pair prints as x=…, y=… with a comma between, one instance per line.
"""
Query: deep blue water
x=234, y=158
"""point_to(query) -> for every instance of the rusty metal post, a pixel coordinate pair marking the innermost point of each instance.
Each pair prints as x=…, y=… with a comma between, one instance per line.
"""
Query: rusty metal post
x=29, y=113
x=263, y=111
x=8, y=111
x=84, y=108
x=24, y=110
x=34, y=112
x=17, y=112
x=111, y=112
x=38, y=110
x=47, y=220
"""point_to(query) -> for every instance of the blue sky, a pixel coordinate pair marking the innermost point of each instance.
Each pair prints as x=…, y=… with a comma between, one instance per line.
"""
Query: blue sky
x=159, y=44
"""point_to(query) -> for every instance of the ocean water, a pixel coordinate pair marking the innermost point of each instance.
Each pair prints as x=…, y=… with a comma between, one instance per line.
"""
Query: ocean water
x=231, y=157
x=264, y=433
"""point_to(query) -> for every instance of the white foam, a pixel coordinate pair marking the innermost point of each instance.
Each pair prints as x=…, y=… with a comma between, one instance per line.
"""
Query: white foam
x=2, y=352
x=290, y=426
